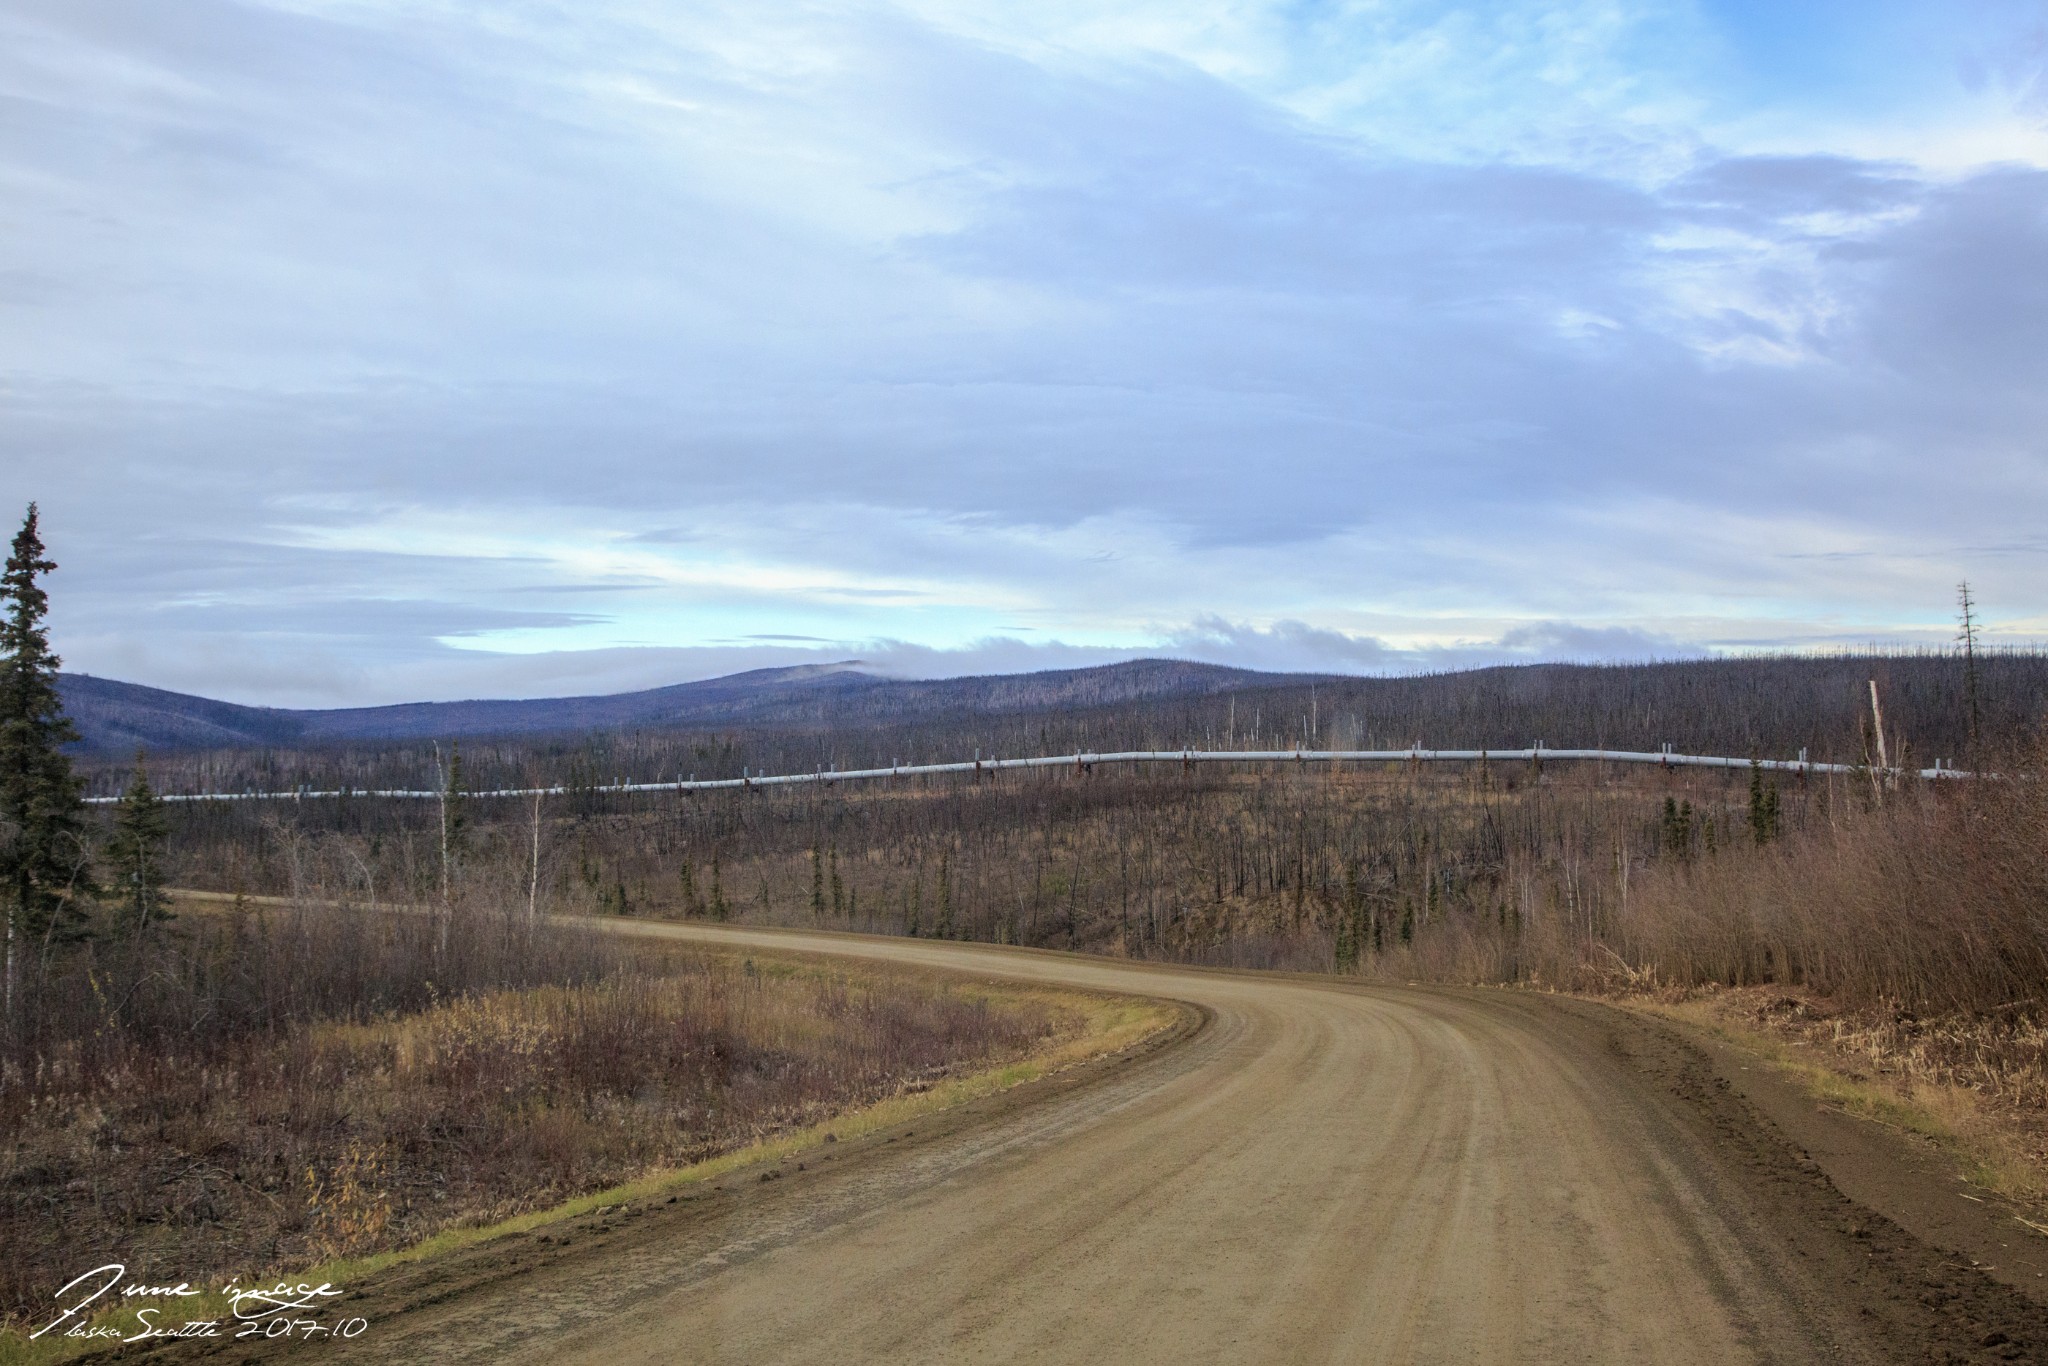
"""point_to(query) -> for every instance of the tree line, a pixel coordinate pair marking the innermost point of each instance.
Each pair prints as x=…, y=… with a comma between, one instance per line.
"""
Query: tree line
x=1937, y=705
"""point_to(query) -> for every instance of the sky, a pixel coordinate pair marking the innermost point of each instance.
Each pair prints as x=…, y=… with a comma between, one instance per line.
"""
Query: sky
x=359, y=351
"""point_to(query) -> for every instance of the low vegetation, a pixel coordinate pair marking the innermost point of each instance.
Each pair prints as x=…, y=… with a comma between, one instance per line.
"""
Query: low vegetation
x=272, y=1089
x=1932, y=902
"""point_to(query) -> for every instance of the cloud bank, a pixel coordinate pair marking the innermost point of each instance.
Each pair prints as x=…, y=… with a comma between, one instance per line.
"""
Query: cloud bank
x=359, y=352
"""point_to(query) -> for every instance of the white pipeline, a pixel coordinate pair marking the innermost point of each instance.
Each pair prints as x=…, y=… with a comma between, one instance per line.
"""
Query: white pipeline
x=1663, y=758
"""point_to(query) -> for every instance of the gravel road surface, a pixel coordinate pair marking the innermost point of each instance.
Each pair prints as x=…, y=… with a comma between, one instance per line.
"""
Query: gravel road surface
x=1310, y=1172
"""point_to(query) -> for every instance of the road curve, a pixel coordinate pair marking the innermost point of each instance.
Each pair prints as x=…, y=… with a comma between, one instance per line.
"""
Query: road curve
x=1320, y=1173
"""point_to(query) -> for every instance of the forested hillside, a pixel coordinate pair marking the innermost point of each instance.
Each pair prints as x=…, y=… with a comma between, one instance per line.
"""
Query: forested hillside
x=117, y=717
x=769, y=723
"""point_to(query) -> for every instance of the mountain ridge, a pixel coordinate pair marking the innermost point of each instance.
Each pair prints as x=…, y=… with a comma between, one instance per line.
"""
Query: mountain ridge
x=112, y=715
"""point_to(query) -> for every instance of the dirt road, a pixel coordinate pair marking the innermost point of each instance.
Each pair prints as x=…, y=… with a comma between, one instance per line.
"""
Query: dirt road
x=1317, y=1173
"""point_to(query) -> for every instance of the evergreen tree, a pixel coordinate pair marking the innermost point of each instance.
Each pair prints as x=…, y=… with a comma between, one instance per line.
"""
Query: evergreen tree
x=719, y=909
x=1756, y=801
x=134, y=855
x=1674, y=834
x=1763, y=805
x=693, y=904
x=43, y=863
x=1347, y=922
x=817, y=887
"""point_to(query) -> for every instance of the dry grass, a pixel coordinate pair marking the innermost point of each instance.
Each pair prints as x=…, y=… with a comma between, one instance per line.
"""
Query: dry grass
x=320, y=1138
x=1972, y=1087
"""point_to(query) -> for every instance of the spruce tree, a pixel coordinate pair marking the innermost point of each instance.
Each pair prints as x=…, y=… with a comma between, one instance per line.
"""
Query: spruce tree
x=1346, y=947
x=134, y=855
x=719, y=909
x=43, y=861
x=1763, y=805
x=1756, y=801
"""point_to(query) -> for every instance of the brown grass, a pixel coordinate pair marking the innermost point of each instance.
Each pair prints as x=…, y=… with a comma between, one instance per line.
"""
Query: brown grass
x=1971, y=1086
x=319, y=1137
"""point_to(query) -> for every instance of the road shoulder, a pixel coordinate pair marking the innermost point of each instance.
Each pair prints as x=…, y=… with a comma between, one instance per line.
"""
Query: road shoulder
x=1901, y=1175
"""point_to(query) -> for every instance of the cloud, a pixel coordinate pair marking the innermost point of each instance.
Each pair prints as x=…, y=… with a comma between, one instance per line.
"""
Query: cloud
x=1779, y=187
x=1295, y=646
x=383, y=346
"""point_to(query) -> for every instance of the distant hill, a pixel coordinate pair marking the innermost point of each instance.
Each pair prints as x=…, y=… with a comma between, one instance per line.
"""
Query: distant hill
x=114, y=717
x=778, y=720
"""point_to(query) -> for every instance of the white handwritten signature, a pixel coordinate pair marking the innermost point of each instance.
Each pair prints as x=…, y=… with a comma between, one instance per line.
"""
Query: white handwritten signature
x=272, y=1311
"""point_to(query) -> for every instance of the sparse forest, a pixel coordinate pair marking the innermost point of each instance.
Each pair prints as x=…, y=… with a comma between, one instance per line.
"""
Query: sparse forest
x=1773, y=706
x=1483, y=872
x=1497, y=872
